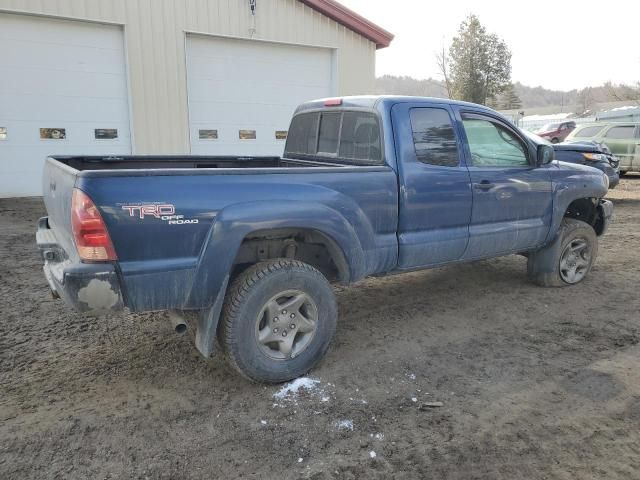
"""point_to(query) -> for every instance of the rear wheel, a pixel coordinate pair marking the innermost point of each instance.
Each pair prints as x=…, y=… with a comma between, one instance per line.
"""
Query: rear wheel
x=278, y=320
x=555, y=140
x=568, y=259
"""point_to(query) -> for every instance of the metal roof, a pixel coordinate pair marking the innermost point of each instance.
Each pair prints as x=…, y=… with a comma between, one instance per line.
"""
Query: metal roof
x=352, y=21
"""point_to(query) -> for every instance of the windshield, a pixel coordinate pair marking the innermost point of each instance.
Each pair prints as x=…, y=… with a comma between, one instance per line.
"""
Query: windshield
x=549, y=127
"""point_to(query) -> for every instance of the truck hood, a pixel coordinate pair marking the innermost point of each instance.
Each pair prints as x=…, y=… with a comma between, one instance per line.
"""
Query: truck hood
x=586, y=147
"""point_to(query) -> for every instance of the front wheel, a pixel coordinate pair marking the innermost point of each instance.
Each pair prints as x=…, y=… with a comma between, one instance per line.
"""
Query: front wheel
x=568, y=259
x=278, y=320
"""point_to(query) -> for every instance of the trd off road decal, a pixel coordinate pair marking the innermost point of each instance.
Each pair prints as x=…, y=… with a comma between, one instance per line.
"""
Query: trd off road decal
x=162, y=211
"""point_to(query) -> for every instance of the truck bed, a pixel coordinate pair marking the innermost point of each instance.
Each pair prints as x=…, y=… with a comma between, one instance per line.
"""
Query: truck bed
x=162, y=162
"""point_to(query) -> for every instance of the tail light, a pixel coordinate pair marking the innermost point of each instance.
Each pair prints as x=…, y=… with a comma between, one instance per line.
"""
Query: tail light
x=89, y=231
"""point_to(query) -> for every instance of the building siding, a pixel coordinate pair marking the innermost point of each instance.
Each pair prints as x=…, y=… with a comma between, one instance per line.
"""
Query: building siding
x=155, y=46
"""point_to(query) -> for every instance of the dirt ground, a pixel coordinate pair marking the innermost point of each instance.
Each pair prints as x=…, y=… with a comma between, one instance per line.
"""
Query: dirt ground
x=534, y=383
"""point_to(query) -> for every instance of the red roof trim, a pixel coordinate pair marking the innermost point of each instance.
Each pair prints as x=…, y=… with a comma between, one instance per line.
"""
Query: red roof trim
x=352, y=21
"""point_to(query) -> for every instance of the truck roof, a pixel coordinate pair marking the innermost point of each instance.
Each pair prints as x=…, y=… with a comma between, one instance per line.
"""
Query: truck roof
x=372, y=101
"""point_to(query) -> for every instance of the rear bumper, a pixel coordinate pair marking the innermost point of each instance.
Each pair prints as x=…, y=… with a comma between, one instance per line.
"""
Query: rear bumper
x=86, y=287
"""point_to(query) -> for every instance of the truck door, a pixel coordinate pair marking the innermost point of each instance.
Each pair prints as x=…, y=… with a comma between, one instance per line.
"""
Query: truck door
x=621, y=140
x=512, y=198
x=435, y=191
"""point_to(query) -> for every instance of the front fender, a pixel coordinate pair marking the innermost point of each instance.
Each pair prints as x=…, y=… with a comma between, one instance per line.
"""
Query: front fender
x=572, y=182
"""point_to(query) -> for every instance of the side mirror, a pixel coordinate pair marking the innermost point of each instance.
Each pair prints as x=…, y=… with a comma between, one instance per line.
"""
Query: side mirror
x=545, y=154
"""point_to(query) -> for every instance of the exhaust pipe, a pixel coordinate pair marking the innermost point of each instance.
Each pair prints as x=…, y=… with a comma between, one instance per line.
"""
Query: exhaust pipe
x=178, y=323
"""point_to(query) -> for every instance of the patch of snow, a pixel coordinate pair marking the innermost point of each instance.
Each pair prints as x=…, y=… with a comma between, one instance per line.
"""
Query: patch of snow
x=626, y=107
x=550, y=117
x=372, y=454
x=344, y=425
x=291, y=389
x=325, y=399
x=411, y=376
x=263, y=422
x=414, y=399
x=300, y=460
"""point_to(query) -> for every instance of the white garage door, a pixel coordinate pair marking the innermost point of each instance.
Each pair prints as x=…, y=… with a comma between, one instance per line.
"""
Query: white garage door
x=63, y=90
x=242, y=93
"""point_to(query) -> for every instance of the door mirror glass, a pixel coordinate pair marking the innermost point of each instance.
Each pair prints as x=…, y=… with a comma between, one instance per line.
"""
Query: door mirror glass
x=545, y=155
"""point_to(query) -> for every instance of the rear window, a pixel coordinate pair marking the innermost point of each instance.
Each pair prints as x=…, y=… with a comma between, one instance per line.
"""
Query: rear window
x=588, y=131
x=360, y=139
x=302, y=135
x=624, y=132
x=352, y=136
x=329, y=133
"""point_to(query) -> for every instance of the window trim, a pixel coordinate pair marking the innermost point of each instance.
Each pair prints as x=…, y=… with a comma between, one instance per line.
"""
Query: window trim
x=474, y=115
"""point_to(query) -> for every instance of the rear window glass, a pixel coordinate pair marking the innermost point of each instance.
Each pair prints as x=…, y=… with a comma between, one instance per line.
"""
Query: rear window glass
x=360, y=138
x=352, y=136
x=433, y=137
x=302, y=134
x=588, y=131
x=620, y=132
x=329, y=132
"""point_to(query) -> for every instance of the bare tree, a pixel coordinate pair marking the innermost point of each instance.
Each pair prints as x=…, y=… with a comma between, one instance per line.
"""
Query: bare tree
x=443, y=64
x=624, y=93
x=584, y=101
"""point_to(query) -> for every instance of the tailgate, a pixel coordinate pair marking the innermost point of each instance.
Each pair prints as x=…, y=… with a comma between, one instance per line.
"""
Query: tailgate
x=58, y=181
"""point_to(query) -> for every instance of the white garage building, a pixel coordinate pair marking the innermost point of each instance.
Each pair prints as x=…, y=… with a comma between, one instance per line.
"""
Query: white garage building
x=168, y=76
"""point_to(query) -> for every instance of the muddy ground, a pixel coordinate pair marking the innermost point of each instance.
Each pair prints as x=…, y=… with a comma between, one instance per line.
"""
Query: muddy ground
x=534, y=383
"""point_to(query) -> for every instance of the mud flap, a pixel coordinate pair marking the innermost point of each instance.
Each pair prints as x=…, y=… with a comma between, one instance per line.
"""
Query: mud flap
x=605, y=216
x=207, y=323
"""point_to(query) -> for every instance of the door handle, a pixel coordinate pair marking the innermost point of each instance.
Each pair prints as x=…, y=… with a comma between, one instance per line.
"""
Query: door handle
x=484, y=185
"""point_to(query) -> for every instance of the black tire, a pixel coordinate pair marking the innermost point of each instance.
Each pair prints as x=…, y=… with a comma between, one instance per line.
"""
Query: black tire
x=622, y=174
x=544, y=265
x=247, y=307
x=554, y=140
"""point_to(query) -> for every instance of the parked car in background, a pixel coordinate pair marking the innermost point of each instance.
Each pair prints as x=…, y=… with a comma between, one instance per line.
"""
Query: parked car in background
x=623, y=139
x=592, y=154
x=556, y=132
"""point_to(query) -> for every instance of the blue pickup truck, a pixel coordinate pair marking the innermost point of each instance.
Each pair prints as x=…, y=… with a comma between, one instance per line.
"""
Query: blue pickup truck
x=244, y=249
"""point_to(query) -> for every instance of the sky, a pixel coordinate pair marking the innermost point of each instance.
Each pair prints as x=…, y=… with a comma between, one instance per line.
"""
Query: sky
x=560, y=45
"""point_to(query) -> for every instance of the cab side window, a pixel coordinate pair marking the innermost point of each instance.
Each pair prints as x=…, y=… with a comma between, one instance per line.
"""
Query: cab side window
x=434, y=139
x=492, y=145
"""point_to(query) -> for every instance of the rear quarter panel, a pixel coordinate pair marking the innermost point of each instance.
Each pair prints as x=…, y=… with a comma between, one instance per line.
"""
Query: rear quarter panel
x=58, y=181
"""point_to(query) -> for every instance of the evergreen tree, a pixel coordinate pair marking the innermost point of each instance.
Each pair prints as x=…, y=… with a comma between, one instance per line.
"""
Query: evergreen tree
x=479, y=63
x=510, y=99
